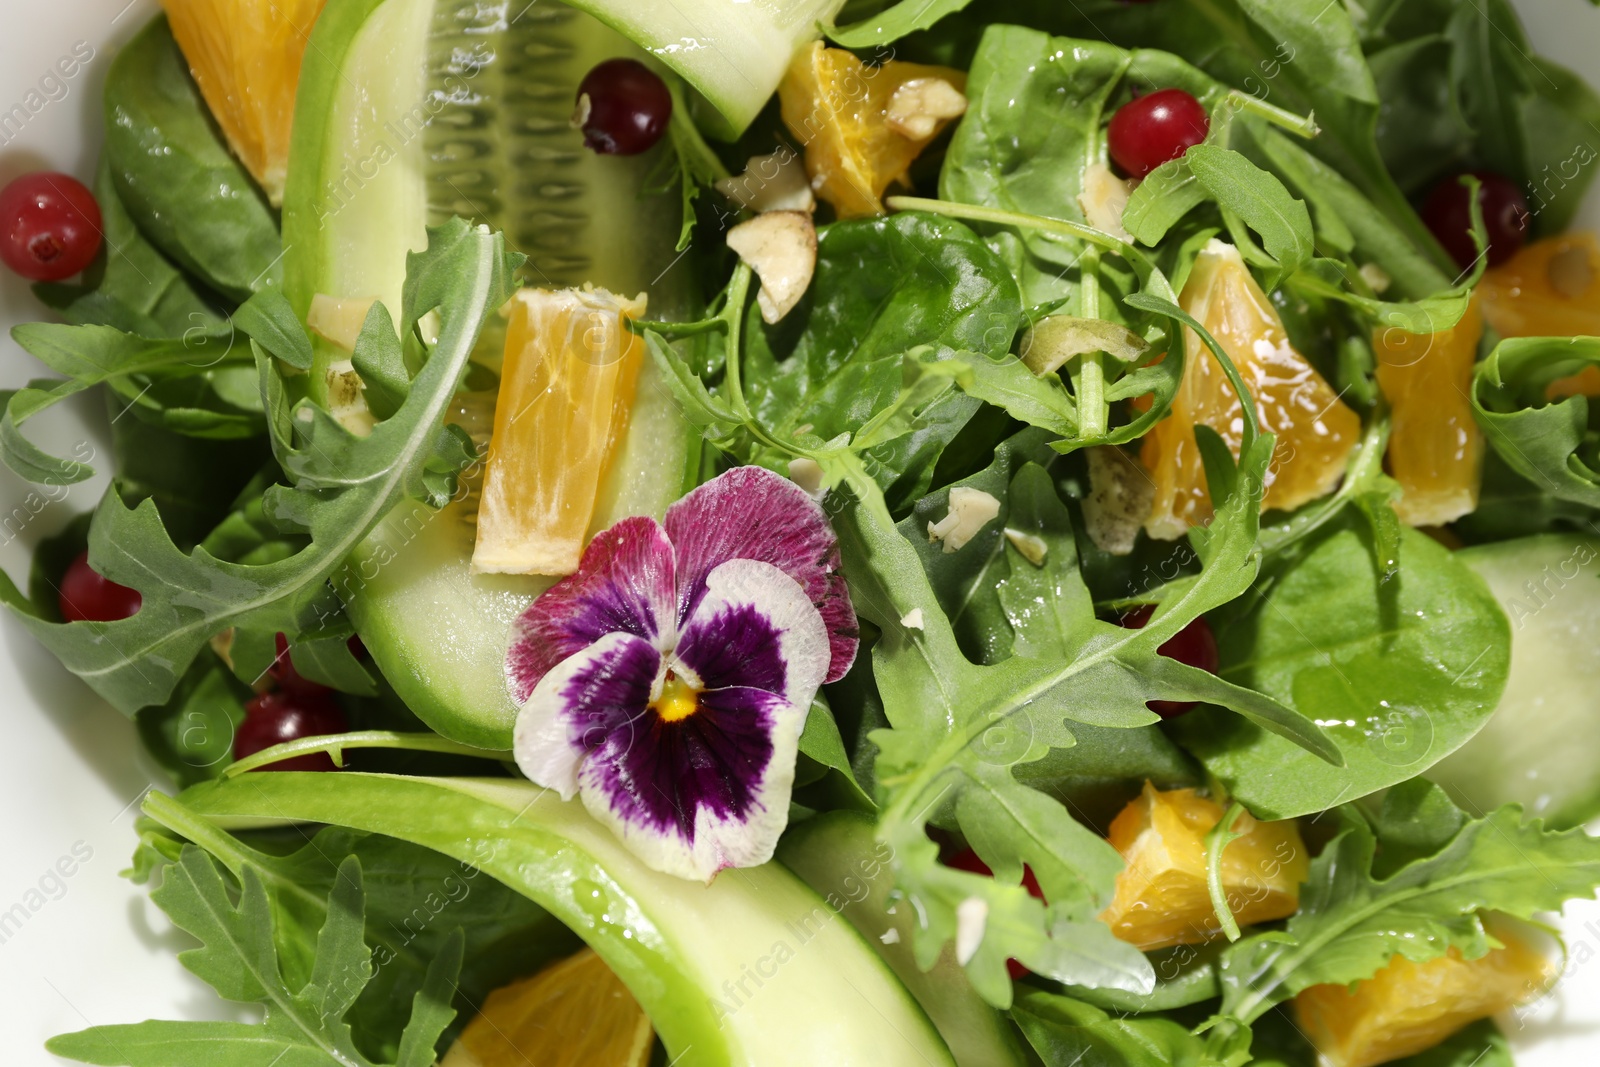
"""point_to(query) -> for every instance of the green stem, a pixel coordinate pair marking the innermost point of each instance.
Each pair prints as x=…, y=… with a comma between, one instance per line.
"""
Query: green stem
x=1217, y=841
x=1041, y=223
x=1299, y=125
x=1094, y=413
x=733, y=315
x=336, y=744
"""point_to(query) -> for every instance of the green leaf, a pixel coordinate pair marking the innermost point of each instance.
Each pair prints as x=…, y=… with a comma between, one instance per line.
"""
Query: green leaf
x=1351, y=924
x=1549, y=444
x=1416, y=819
x=1166, y=195
x=1261, y=200
x=269, y=320
x=343, y=485
x=172, y=170
x=1491, y=73
x=191, y=736
x=1067, y=1031
x=1006, y=382
x=895, y=22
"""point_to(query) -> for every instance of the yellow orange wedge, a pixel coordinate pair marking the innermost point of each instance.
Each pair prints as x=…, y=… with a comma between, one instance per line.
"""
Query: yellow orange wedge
x=1408, y=1007
x=1161, y=897
x=864, y=125
x=1316, y=431
x=1435, y=447
x=575, y=1013
x=566, y=388
x=1551, y=288
x=245, y=56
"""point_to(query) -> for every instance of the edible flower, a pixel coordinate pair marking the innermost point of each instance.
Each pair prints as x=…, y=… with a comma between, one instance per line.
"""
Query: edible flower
x=667, y=682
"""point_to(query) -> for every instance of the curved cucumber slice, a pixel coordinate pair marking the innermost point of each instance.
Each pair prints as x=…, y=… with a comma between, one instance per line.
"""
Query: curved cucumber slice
x=1538, y=748
x=839, y=856
x=734, y=52
x=411, y=110
x=741, y=972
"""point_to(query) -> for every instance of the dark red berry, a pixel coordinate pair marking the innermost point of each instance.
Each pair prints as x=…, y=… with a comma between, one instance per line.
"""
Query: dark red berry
x=967, y=860
x=273, y=718
x=1194, y=645
x=1150, y=130
x=282, y=671
x=623, y=108
x=52, y=226
x=1448, y=213
x=87, y=597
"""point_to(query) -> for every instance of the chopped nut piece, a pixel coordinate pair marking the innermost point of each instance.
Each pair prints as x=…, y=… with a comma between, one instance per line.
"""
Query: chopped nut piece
x=970, y=511
x=339, y=319
x=775, y=182
x=913, y=619
x=1104, y=199
x=972, y=916
x=1119, y=499
x=807, y=474
x=1571, y=272
x=1376, y=277
x=1032, y=546
x=1054, y=340
x=918, y=107
x=781, y=247
x=580, y=114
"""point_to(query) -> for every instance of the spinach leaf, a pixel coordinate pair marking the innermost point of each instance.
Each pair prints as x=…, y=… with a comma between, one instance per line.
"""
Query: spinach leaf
x=130, y=286
x=175, y=175
x=1548, y=443
x=191, y=735
x=1351, y=923
x=240, y=958
x=1416, y=819
x=1066, y=1031
x=342, y=486
x=1398, y=673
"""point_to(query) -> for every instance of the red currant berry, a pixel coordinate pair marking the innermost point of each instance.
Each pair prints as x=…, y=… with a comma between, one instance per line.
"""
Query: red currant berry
x=52, y=226
x=273, y=718
x=1150, y=130
x=85, y=596
x=282, y=671
x=967, y=860
x=1194, y=645
x=1448, y=213
x=623, y=108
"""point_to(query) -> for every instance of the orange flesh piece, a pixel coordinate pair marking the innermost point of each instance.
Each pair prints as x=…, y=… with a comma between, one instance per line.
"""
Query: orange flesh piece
x=566, y=387
x=837, y=106
x=1408, y=1007
x=1161, y=896
x=1435, y=447
x=1551, y=288
x=576, y=1013
x=1316, y=431
x=245, y=56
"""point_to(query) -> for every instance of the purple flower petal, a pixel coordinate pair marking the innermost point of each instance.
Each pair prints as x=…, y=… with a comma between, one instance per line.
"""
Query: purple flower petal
x=702, y=793
x=755, y=627
x=752, y=513
x=624, y=584
x=592, y=700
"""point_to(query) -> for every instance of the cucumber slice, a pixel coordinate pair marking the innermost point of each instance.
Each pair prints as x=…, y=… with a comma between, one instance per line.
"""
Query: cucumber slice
x=1538, y=748
x=745, y=971
x=410, y=111
x=734, y=52
x=839, y=856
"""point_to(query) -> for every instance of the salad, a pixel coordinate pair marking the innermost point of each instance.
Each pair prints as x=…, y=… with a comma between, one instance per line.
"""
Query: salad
x=835, y=531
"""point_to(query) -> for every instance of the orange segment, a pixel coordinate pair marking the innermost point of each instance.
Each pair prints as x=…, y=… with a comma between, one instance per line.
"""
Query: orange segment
x=1161, y=896
x=1408, y=1007
x=1316, y=431
x=1550, y=288
x=245, y=56
x=862, y=125
x=575, y=1013
x=566, y=388
x=1435, y=447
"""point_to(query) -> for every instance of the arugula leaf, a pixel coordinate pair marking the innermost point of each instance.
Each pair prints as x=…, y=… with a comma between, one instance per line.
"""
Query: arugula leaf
x=343, y=485
x=1548, y=443
x=1261, y=200
x=894, y=22
x=1416, y=819
x=239, y=957
x=176, y=176
x=1067, y=1031
x=1351, y=923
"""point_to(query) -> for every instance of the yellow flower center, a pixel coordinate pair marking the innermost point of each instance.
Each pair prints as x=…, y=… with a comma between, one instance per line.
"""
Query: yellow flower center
x=678, y=699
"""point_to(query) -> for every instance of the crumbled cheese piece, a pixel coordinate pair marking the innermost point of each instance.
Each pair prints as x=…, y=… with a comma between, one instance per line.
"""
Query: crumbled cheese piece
x=775, y=182
x=580, y=114
x=1376, y=277
x=781, y=247
x=913, y=619
x=972, y=915
x=1119, y=499
x=807, y=474
x=920, y=105
x=1104, y=198
x=1571, y=273
x=970, y=511
x=339, y=319
x=1054, y=340
x=1032, y=546
x=890, y=936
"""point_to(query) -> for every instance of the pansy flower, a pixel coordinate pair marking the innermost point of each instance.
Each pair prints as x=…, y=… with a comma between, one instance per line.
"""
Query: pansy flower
x=667, y=682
